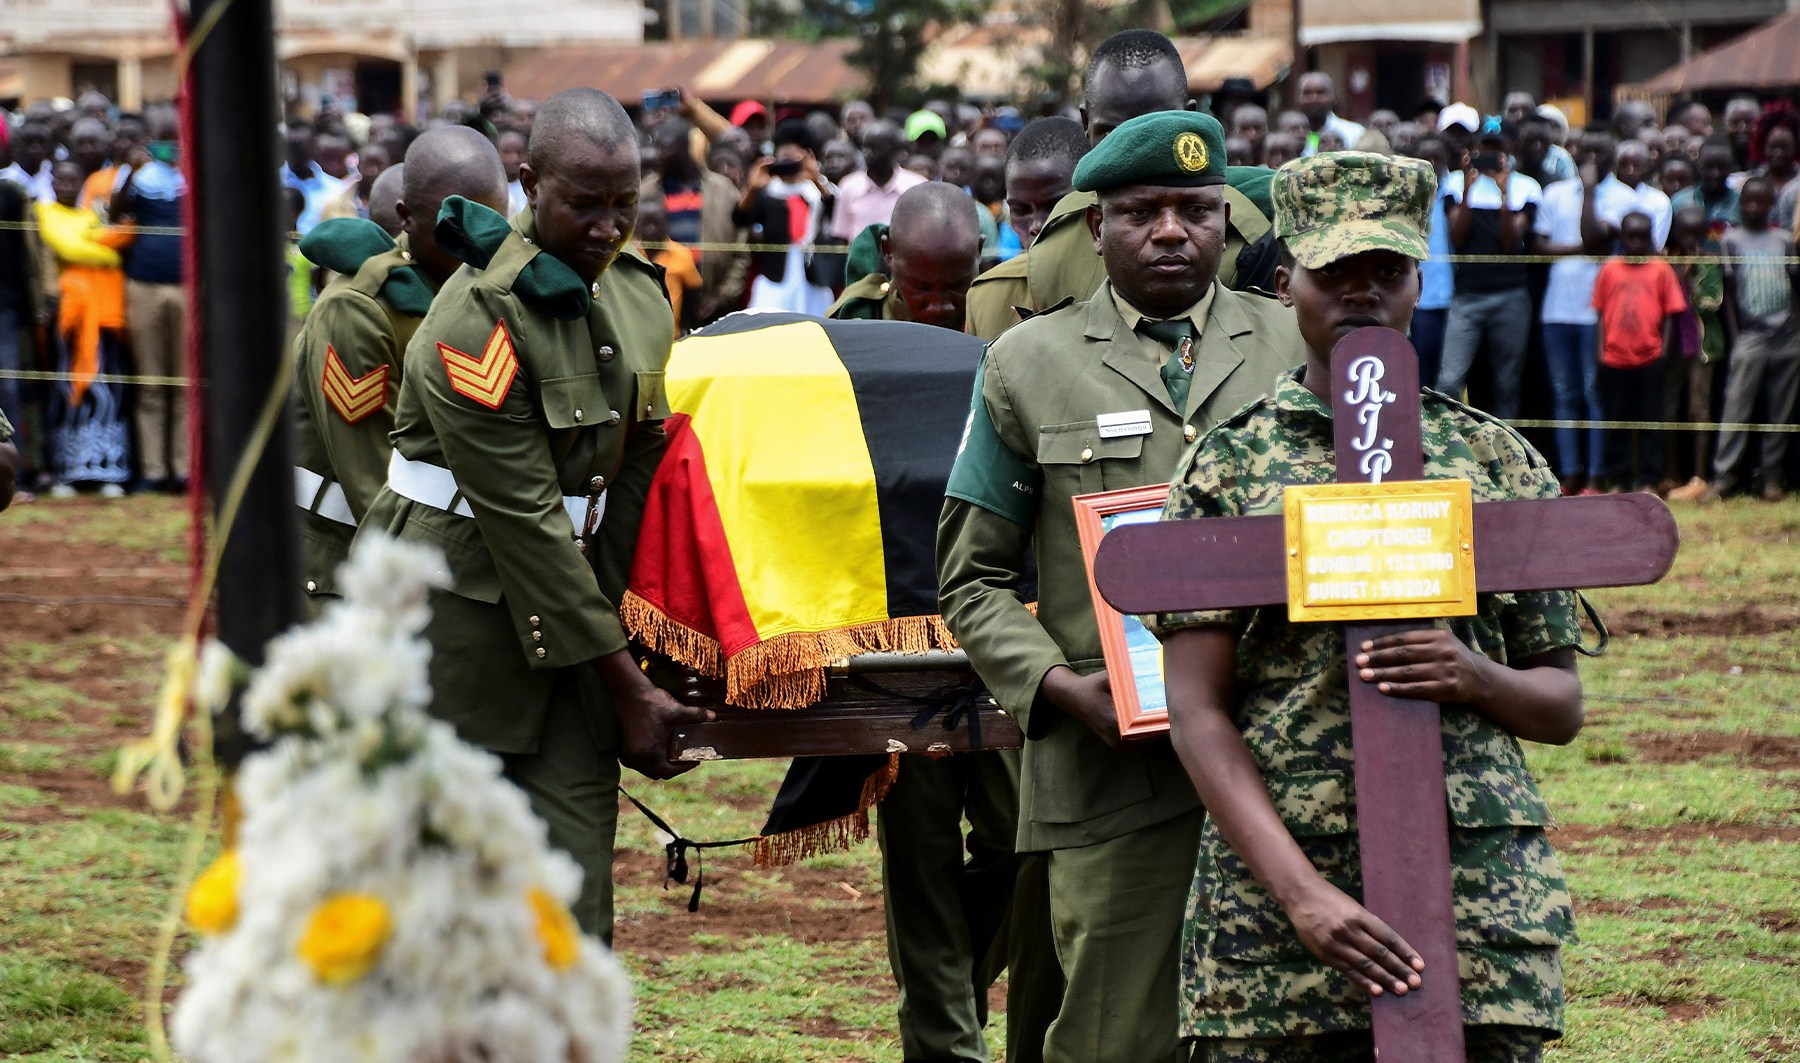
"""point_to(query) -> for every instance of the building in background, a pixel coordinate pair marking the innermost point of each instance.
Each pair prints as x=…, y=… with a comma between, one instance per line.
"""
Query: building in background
x=369, y=55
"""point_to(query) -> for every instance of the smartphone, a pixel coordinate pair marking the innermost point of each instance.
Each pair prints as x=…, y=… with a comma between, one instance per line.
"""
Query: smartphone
x=784, y=168
x=1488, y=162
x=669, y=100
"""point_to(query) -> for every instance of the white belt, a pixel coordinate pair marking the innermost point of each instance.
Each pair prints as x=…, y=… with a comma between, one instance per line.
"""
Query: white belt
x=435, y=486
x=332, y=503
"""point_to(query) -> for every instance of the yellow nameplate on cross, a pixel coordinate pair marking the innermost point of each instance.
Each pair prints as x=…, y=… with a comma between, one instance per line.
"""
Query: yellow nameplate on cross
x=1380, y=551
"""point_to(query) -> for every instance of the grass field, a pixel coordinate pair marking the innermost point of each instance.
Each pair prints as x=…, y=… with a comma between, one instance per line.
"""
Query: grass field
x=1679, y=809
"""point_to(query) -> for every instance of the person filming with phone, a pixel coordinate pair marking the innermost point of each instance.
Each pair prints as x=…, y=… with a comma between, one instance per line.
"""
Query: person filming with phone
x=1490, y=210
x=785, y=202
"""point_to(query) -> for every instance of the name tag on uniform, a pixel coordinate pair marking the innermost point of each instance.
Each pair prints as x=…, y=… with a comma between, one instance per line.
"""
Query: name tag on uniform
x=1126, y=423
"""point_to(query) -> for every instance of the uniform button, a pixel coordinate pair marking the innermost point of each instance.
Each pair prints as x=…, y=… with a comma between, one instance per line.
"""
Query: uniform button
x=311, y=587
x=615, y=416
x=527, y=239
x=577, y=416
x=649, y=408
x=535, y=621
x=597, y=484
x=537, y=636
x=1190, y=433
x=542, y=652
x=1087, y=453
x=595, y=288
x=606, y=353
x=407, y=255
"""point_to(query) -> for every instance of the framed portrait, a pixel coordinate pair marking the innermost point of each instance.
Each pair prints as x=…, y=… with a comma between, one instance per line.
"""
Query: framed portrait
x=1134, y=658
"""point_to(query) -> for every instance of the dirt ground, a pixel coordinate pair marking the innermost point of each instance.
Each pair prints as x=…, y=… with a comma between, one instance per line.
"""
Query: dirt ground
x=107, y=604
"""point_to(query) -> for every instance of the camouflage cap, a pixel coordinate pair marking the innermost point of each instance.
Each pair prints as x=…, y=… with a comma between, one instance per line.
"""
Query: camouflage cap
x=1342, y=203
x=1180, y=148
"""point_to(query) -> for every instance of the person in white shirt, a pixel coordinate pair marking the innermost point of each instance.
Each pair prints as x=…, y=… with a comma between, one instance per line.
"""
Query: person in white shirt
x=31, y=163
x=1626, y=190
x=1566, y=220
x=1318, y=97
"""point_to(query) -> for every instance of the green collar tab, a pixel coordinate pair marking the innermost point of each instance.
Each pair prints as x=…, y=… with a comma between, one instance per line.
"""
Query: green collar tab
x=342, y=245
x=475, y=233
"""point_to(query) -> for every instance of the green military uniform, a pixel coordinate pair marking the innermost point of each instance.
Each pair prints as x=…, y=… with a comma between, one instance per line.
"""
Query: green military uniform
x=1250, y=989
x=942, y=911
x=347, y=375
x=1245, y=972
x=1119, y=827
x=869, y=298
x=1062, y=263
x=998, y=296
x=528, y=427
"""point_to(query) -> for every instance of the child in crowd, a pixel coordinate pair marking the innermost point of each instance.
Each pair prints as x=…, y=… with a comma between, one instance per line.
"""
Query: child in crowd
x=1765, y=348
x=1279, y=958
x=1688, y=388
x=680, y=273
x=1639, y=300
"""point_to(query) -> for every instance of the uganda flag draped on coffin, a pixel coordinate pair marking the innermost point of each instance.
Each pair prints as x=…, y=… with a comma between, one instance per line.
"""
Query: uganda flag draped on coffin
x=793, y=519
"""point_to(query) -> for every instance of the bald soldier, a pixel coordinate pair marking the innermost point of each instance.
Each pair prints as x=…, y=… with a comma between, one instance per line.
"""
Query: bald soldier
x=1131, y=73
x=384, y=199
x=527, y=430
x=349, y=352
x=933, y=250
x=1096, y=396
x=943, y=911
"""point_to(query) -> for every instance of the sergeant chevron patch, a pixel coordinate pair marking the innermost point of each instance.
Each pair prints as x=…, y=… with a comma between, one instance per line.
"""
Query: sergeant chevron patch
x=353, y=397
x=485, y=379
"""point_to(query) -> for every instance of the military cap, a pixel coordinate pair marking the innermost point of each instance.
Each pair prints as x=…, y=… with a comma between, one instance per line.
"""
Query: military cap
x=1342, y=203
x=1180, y=148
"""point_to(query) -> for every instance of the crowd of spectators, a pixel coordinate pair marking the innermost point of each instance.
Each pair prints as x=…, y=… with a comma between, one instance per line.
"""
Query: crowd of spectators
x=1652, y=261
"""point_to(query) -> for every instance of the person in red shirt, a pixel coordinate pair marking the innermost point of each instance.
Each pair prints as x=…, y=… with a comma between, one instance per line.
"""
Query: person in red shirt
x=1639, y=299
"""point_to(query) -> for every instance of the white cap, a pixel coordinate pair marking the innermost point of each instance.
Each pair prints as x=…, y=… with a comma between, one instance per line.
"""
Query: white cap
x=1459, y=114
x=1552, y=113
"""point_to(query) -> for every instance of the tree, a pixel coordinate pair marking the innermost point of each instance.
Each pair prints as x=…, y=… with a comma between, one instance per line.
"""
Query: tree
x=892, y=35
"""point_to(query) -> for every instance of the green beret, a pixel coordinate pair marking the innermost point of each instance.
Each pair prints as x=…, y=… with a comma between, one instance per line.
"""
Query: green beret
x=1179, y=148
x=1341, y=203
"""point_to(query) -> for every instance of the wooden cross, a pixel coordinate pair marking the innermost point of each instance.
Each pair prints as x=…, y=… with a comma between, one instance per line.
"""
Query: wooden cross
x=1402, y=810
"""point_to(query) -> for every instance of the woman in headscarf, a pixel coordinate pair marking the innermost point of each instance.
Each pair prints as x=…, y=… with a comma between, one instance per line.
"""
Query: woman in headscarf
x=89, y=441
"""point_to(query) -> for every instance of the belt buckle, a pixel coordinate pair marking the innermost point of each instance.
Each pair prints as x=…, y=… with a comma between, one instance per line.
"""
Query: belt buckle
x=590, y=521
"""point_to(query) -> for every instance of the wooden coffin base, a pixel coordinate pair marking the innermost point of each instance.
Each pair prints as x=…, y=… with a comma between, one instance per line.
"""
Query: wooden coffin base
x=872, y=704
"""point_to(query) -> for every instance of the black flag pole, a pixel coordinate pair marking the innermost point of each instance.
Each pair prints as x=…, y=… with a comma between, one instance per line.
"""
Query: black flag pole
x=240, y=315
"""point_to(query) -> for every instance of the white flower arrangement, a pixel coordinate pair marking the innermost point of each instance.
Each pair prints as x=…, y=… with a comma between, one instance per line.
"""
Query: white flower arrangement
x=391, y=898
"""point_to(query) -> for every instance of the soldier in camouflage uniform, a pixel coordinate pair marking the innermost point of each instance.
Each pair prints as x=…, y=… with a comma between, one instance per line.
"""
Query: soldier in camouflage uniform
x=348, y=356
x=1279, y=959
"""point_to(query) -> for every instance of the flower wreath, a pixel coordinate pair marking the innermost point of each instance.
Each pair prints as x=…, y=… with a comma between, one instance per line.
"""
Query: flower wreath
x=390, y=896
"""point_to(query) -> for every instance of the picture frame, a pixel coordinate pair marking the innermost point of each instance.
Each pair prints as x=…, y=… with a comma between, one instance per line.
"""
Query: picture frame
x=1133, y=655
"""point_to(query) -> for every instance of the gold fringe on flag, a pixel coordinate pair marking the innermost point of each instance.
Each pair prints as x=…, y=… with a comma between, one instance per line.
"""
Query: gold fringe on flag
x=832, y=836
x=786, y=671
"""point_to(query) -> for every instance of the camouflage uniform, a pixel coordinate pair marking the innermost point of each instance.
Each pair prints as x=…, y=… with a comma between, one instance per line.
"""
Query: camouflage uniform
x=1245, y=972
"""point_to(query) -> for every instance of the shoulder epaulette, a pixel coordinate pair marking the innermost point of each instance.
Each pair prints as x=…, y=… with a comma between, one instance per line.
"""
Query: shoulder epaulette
x=342, y=245
x=475, y=234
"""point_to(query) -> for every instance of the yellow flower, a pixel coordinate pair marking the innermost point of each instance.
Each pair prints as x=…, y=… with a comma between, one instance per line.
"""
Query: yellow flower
x=212, y=901
x=345, y=936
x=556, y=929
